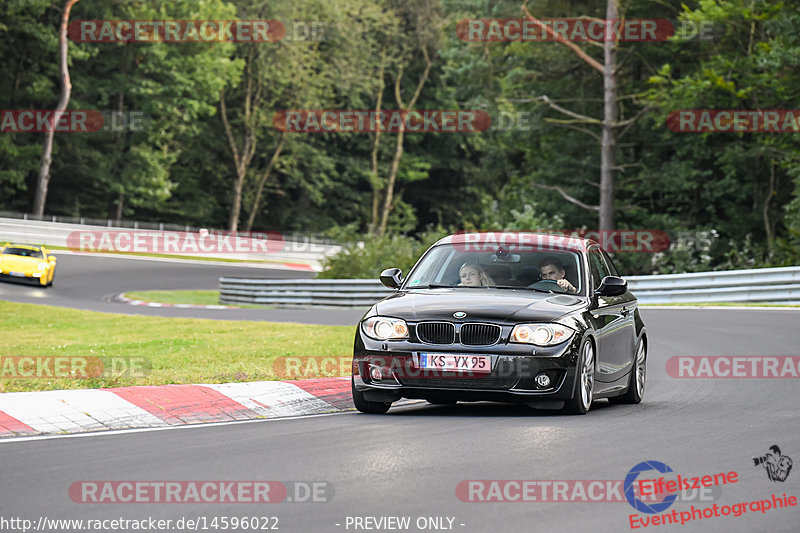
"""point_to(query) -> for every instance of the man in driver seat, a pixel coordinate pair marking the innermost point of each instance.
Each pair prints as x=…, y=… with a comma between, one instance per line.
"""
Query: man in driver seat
x=552, y=268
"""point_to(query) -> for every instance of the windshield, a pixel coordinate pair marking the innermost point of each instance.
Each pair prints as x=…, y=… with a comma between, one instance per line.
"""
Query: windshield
x=24, y=252
x=450, y=265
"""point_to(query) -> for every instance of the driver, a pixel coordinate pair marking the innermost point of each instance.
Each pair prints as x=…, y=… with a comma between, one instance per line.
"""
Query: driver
x=552, y=268
x=472, y=275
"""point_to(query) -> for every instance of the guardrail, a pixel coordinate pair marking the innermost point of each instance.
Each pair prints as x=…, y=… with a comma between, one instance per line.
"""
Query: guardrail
x=53, y=220
x=296, y=247
x=757, y=285
x=324, y=292
x=779, y=285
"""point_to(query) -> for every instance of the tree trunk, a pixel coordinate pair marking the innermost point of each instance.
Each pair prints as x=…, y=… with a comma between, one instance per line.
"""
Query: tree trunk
x=43, y=181
x=608, y=149
x=236, y=207
x=120, y=203
x=241, y=160
x=765, y=212
x=398, y=153
x=121, y=144
x=375, y=181
x=264, y=177
x=387, y=199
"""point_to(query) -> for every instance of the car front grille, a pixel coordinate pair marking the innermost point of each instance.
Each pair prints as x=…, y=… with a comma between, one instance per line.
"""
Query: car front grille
x=436, y=332
x=479, y=334
x=484, y=382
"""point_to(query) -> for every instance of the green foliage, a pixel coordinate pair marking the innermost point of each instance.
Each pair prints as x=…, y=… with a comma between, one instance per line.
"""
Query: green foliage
x=736, y=194
x=366, y=256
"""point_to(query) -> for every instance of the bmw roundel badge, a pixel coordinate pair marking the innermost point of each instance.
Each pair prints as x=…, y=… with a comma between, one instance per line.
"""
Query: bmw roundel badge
x=459, y=314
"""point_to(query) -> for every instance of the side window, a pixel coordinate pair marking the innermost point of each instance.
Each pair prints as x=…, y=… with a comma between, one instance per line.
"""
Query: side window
x=611, y=268
x=598, y=266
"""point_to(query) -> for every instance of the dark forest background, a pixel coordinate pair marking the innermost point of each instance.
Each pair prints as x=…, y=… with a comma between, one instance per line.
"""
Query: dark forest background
x=732, y=198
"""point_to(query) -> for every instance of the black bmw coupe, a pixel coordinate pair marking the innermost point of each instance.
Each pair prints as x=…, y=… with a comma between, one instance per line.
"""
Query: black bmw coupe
x=529, y=318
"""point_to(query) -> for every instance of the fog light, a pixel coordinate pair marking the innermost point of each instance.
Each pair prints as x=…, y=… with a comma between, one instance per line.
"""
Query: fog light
x=543, y=380
x=375, y=373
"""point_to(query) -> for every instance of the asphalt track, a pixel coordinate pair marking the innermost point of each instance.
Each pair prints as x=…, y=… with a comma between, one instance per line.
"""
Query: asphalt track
x=89, y=282
x=409, y=462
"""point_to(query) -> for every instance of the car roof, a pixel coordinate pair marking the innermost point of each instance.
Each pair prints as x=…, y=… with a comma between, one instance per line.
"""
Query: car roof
x=522, y=239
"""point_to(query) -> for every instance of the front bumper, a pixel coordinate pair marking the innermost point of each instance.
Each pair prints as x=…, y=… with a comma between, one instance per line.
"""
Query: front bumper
x=512, y=378
x=23, y=276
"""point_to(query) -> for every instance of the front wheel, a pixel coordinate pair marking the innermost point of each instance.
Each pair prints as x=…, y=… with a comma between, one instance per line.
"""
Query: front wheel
x=581, y=400
x=366, y=406
x=635, y=391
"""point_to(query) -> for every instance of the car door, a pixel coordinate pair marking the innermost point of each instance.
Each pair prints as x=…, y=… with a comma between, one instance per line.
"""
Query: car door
x=614, y=317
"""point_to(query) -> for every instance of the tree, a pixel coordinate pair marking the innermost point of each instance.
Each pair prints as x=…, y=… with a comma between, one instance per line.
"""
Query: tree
x=66, y=89
x=751, y=64
x=292, y=74
x=419, y=38
x=610, y=122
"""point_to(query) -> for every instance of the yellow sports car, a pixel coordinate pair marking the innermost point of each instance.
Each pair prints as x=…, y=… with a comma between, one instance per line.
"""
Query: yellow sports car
x=22, y=261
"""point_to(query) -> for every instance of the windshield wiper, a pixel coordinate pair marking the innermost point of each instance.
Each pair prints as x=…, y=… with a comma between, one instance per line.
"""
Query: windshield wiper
x=526, y=288
x=432, y=286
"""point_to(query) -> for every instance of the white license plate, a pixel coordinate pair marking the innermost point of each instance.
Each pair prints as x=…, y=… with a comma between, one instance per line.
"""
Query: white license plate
x=17, y=274
x=456, y=362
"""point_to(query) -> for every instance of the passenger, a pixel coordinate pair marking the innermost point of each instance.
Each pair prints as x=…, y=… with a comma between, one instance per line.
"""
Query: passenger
x=472, y=275
x=551, y=268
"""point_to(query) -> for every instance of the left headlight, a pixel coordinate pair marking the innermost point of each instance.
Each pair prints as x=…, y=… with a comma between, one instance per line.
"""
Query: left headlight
x=42, y=266
x=384, y=328
x=541, y=334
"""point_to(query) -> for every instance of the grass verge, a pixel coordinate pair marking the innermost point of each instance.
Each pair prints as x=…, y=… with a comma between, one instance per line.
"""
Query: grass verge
x=186, y=297
x=176, y=297
x=173, y=350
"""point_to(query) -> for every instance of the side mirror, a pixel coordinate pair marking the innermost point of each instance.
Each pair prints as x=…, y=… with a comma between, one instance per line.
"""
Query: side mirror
x=612, y=286
x=51, y=259
x=392, y=278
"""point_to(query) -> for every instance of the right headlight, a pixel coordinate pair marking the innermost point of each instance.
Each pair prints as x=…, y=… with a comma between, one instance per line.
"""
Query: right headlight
x=384, y=328
x=541, y=334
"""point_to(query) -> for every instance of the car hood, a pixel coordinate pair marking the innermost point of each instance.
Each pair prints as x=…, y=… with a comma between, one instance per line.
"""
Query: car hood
x=493, y=305
x=18, y=263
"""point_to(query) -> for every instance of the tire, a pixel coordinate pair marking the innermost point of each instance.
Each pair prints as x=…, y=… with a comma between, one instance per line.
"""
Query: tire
x=581, y=401
x=377, y=408
x=636, y=383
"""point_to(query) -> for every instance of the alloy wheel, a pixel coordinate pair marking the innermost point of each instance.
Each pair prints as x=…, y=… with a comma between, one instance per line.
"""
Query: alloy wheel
x=587, y=375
